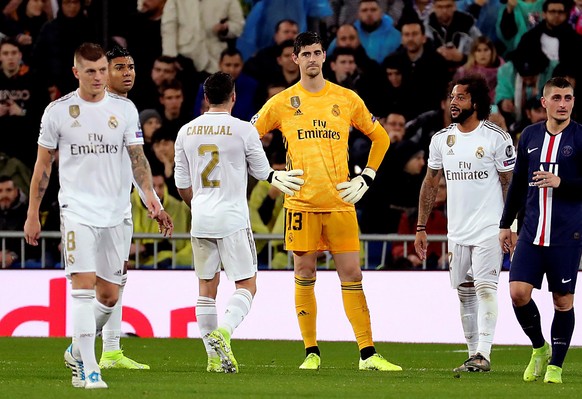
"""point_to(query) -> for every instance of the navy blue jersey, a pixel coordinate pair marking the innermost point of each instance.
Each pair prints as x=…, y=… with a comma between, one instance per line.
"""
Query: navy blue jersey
x=552, y=216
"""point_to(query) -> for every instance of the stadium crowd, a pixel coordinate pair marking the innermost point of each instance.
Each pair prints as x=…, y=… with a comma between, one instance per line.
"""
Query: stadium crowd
x=398, y=55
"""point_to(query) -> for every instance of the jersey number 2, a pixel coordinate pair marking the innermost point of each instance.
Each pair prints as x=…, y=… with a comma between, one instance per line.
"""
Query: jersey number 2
x=213, y=150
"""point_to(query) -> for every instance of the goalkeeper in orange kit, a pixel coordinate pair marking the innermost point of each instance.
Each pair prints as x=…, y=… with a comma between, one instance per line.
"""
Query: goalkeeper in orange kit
x=315, y=117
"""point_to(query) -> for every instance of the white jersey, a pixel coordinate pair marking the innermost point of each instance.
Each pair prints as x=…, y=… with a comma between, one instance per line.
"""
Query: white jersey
x=470, y=162
x=213, y=154
x=90, y=138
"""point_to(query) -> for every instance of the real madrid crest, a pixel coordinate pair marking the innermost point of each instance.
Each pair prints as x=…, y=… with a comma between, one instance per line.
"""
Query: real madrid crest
x=451, y=139
x=74, y=111
x=335, y=111
x=112, y=122
x=295, y=101
x=480, y=153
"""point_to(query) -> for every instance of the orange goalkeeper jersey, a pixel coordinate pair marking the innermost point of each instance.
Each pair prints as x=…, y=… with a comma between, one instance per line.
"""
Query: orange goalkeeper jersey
x=315, y=129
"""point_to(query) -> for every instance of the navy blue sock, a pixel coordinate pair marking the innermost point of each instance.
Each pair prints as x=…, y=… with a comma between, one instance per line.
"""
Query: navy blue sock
x=562, y=330
x=528, y=317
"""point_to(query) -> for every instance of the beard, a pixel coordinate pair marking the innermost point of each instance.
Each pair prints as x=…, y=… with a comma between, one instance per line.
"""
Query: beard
x=463, y=115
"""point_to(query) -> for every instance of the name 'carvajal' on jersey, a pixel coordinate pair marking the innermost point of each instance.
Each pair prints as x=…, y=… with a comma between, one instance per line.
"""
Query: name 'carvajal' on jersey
x=209, y=129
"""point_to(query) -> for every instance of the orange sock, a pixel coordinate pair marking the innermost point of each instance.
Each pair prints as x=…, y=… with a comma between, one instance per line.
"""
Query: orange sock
x=357, y=311
x=306, y=309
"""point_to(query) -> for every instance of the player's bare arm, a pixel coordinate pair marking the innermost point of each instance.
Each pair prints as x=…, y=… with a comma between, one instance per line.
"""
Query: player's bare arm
x=186, y=194
x=505, y=179
x=428, y=193
x=143, y=177
x=38, y=186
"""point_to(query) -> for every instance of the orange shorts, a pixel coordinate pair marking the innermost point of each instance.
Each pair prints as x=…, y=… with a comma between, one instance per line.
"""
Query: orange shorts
x=321, y=231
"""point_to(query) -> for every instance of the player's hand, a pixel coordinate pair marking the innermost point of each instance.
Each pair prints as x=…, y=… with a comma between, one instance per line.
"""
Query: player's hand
x=32, y=231
x=352, y=191
x=286, y=181
x=544, y=179
x=153, y=205
x=421, y=244
x=506, y=240
x=165, y=223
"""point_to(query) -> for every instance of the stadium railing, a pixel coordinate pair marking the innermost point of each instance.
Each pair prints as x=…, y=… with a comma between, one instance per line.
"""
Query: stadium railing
x=375, y=252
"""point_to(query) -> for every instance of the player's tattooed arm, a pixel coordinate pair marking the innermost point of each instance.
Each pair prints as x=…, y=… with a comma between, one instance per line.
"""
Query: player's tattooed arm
x=428, y=193
x=140, y=167
x=45, y=159
x=505, y=179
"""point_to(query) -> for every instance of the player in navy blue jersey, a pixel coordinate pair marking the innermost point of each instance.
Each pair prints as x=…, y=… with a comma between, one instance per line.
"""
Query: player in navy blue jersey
x=547, y=186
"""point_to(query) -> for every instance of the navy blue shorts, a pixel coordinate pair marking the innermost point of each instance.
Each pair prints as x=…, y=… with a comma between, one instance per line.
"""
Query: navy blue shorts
x=560, y=265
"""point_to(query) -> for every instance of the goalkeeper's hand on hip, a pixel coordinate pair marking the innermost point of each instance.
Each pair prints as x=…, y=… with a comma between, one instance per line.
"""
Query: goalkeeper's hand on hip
x=286, y=180
x=352, y=191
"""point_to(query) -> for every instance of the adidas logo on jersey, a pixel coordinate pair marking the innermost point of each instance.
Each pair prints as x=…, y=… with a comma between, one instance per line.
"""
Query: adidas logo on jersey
x=118, y=273
x=493, y=272
x=298, y=112
x=75, y=124
x=450, y=152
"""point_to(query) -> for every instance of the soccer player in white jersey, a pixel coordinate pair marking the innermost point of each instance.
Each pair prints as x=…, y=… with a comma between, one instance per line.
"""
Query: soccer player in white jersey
x=214, y=154
x=90, y=127
x=121, y=77
x=476, y=158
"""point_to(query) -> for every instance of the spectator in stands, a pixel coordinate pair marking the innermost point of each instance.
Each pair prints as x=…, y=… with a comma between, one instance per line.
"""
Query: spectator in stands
x=394, y=123
x=143, y=34
x=287, y=71
x=56, y=44
x=147, y=93
x=521, y=78
x=483, y=60
x=246, y=88
x=554, y=35
x=534, y=112
x=403, y=168
x=395, y=95
x=436, y=258
x=417, y=9
x=516, y=18
x=264, y=62
x=346, y=72
x=452, y=32
x=174, y=113
x=199, y=30
x=424, y=69
x=21, y=104
x=266, y=14
x=13, y=207
x=163, y=149
x=575, y=18
x=24, y=24
x=150, y=121
x=347, y=36
x=17, y=171
x=376, y=31
x=485, y=14
x=346, y=11
x=424, y=126
x=142, y=223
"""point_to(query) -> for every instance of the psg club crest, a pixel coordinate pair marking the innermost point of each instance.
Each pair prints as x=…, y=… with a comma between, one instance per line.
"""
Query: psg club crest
x=567, y=151
x=112, y=122
x=74, y=111
x=480, y=153
x=295, y=101
x=451, y=139
x=335, y=111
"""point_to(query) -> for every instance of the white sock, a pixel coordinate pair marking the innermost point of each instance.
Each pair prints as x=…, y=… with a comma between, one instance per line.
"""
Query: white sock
x=112, y=329
x=487, y=320
x=207, y=318
x=238, y=307
x=469, y=311
x=84, y=328
x=101, y=313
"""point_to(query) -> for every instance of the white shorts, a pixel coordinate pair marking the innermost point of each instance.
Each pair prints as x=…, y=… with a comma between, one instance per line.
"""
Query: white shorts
x=88, y=249
x=127, y=236
x=236, y=252
x=470, y=263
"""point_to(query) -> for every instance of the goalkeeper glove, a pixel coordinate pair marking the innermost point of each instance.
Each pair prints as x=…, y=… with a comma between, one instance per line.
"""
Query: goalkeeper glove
x=354, y=190
x=286, y=180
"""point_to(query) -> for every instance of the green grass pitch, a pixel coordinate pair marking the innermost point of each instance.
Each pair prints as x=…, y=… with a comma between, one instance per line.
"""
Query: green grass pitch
x=34, y=368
